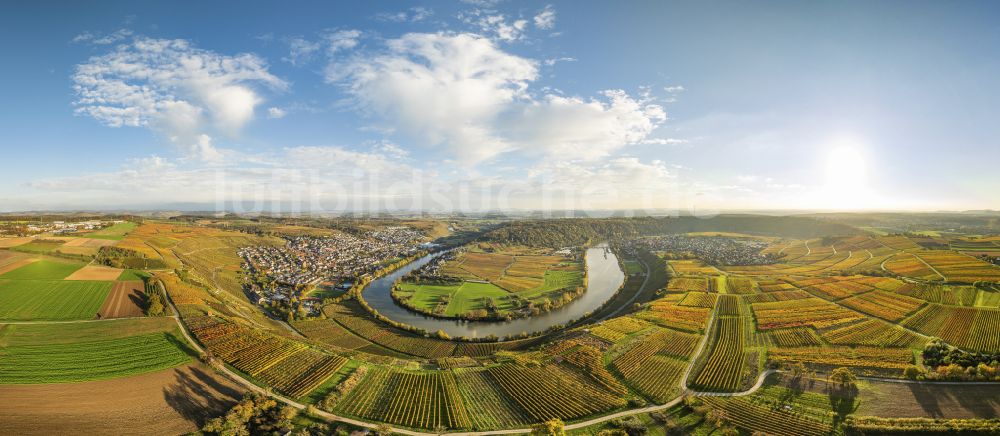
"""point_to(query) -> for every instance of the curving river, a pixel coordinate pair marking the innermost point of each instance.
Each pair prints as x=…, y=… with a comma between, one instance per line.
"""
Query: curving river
x=604, y=278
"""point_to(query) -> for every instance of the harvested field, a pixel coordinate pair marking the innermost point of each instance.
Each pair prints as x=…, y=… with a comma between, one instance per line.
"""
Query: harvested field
x=901, y=400
x=87, y=242
x=173, y=401
x=124, y=301
x=95, y=272
x=14, y=242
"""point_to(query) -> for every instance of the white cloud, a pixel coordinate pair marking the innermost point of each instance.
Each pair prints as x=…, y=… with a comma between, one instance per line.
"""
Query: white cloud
x=98, y=39
x=276, y=113
x=441, y=89
x=412, y=15
x=674, y=89
x=462, y=92
x=552, y=61
x=495, y=25
x=171, y=87
x=664, y=141
x=341, y=40
x=585, y=129
x=546, y=19
x=301, y=51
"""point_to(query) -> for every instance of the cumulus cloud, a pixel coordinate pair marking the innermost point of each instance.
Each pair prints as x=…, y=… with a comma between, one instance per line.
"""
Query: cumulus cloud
x=462, y=92
x=412, y=15
x=183, y=92
x=546, y=19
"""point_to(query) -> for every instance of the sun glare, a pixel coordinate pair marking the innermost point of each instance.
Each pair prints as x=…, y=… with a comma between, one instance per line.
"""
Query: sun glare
x=846, y=178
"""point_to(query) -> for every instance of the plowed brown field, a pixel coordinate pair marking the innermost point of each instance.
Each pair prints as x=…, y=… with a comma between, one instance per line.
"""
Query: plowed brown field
x=124, y=301
x=173, y=401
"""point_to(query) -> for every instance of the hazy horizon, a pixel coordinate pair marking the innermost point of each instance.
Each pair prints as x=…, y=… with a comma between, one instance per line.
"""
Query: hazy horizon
x=502, y=105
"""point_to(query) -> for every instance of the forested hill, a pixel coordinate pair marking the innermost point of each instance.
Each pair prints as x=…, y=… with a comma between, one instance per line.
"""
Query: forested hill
x=577, y=231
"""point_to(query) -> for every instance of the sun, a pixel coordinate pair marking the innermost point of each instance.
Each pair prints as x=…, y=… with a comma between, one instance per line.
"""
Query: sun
x=846, y=178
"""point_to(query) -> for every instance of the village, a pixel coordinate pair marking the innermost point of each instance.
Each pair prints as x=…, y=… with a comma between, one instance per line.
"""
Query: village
x=21, y=228
x=279, y=276
x=716, y=250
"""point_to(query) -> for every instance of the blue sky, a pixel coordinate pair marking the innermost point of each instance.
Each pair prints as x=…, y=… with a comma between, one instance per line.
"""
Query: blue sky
x=486, y=105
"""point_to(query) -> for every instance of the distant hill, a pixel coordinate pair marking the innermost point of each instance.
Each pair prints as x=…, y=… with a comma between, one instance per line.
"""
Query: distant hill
x=565, y=232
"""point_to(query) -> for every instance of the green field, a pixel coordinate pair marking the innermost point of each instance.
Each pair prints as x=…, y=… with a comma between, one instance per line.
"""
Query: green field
x=38, y=247
x=116, y=232
x=43, y=270
x=554, y=280
x=133, y=275
x=51, y=299
x=90, y=360
x=67, y=333
x=633, y=267
x=464, y=297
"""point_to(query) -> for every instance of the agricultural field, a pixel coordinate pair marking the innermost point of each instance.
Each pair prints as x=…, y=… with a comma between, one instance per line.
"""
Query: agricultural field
x=61, y=353
x=176, y=400
x=43, y=269
x=115, y=232
x=34, y=300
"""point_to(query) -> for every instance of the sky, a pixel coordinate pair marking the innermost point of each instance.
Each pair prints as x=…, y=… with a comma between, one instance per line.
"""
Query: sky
x=489, y=105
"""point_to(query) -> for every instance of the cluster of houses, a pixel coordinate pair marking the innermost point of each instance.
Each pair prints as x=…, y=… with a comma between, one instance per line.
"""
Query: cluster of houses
x=334, y=261
x=716, y=250
x=63, y=227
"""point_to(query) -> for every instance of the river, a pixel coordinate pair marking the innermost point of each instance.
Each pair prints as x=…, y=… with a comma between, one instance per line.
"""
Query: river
x=604, y=278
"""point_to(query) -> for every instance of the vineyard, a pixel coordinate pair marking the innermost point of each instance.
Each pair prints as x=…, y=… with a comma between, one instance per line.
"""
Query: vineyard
x=552, y=392
x=871, y=332
x=654, y=364
x=726, y=365
x=858, y=357
x=488, y=407
x=812, y=312
x=966, y=327
x=795, y=337
x=744, y=413
x=881, y=304
x=668, y=314
x=286, y=365
x=417, y=400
